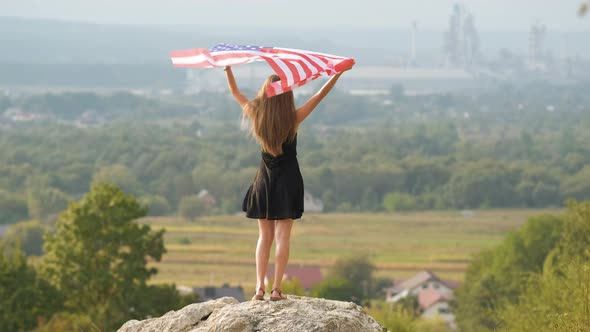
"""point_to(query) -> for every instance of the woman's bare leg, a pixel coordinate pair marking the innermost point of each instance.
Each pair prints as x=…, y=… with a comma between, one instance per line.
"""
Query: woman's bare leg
x=283, y=239
x=266, y=232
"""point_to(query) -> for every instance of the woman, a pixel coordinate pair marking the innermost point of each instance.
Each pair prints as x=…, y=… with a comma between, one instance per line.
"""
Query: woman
x=275, y=197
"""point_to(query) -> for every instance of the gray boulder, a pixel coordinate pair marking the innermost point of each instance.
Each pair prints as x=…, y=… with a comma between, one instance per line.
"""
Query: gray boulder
x=295, y=314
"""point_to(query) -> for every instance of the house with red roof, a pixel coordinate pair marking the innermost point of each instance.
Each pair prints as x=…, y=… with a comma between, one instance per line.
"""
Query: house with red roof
x=420, y=282
x=433, y=304
x=434, y=295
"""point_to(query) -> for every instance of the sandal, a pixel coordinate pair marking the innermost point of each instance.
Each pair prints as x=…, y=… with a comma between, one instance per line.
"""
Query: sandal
x=277, y=298
x=257, y=297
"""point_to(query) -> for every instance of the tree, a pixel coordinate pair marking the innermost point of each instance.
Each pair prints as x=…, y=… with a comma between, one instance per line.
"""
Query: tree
x=526, y=143
x=566, y=142
x=98, y=254
x=191, y=207
x=65, y=321
x=155, y=300
x=369, y=200
x=539, y=187
x=432, y=325
x=397, y=319
x=558, y=298
x=45, y=202
x=27, y=236
x=410, y=305
x=183, y=184
x=120, y=176
x=157, y=205
x=574, y=162
x=481, y=184
x=556, y=302
x=13, y=208
x=578, y=185
x=326, y=178
x=291, y=286
x=345, y=207
x=358, y=270
x=423, y=175
x=231, y=205
x=393, y=318
x=395, y=202
x=497, y=277
x=74, y=178
x=25, y=298
x=575, y=238
x=337, y=288
x=329, y=200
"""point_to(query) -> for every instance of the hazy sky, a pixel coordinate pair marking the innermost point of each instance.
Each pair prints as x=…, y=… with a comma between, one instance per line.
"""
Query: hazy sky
x=489, y=14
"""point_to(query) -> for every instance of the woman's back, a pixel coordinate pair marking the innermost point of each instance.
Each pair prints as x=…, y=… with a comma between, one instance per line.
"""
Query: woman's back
x=289, y=155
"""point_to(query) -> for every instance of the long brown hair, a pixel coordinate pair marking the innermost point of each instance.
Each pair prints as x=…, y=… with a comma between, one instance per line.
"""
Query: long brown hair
x=273, y=118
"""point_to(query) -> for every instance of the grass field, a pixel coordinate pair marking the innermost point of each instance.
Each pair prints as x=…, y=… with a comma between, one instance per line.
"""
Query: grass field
x=220, y=249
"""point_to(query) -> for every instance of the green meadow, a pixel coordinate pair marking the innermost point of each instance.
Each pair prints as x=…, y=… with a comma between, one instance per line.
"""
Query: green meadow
x=220, y=249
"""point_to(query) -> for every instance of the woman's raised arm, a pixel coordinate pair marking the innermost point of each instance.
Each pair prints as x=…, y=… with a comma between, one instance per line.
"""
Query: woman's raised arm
x=233, y=88
x=313, y=102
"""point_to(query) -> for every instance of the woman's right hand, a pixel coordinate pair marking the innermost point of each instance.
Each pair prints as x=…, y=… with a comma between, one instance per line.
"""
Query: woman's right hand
x=345, y=66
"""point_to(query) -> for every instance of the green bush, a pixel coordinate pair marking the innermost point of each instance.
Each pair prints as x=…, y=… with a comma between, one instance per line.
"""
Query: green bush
x=397, y=202
x=191, y=207
x=157, y=205
x=337, y=288
x=25, y=297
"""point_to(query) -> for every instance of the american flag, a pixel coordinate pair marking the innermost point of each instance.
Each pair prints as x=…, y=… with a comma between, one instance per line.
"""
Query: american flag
x=294, y=67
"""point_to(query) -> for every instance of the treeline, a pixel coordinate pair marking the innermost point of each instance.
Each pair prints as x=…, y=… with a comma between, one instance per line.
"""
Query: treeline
x=117, y=106
x=538, y=279
x=425, y=152
x=424, y=167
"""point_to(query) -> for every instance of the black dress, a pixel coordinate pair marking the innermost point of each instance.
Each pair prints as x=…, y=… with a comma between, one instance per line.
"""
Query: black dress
x=277, y=190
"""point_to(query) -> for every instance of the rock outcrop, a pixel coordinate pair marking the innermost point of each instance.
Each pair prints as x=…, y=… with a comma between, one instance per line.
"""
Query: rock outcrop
x=295, y=314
